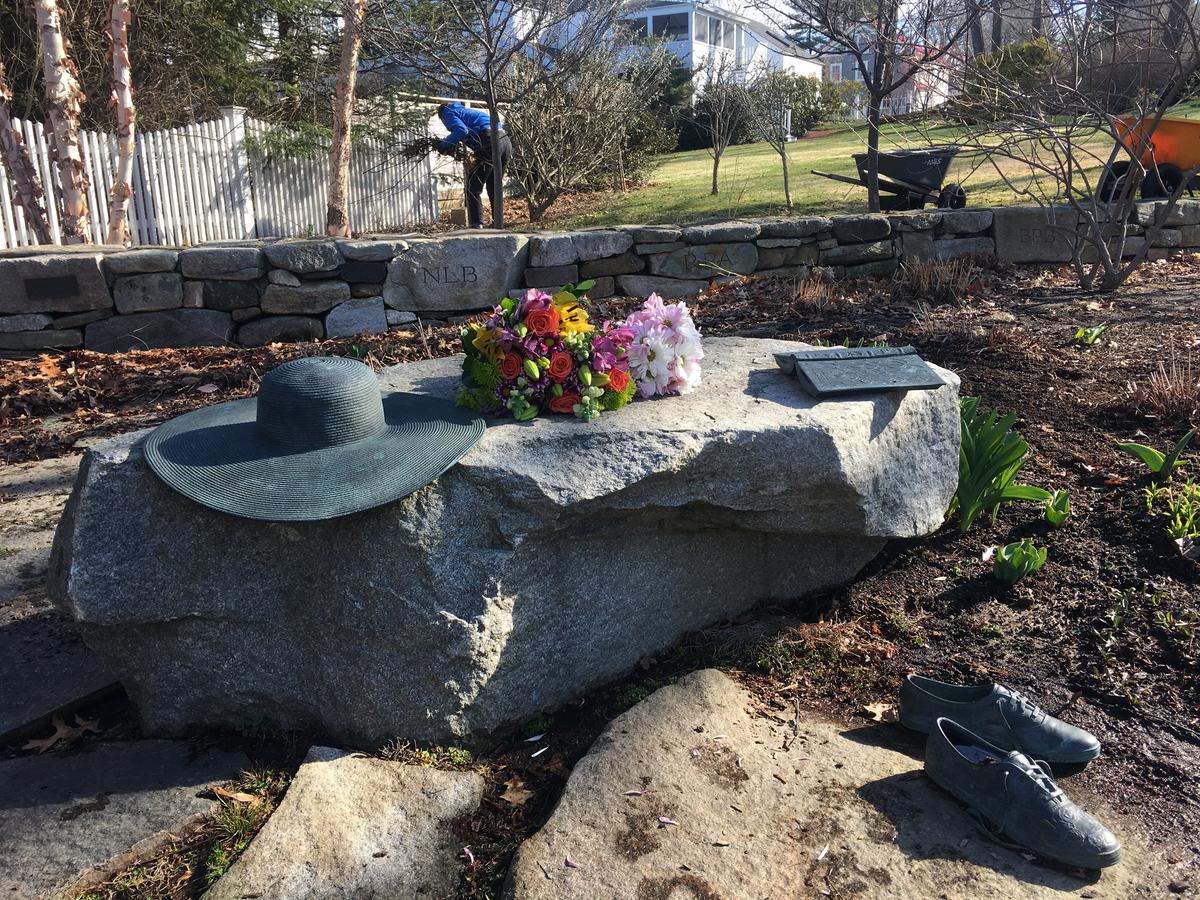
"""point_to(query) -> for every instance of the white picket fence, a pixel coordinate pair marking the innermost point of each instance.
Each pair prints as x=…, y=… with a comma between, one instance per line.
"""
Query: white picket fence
x=201, y=183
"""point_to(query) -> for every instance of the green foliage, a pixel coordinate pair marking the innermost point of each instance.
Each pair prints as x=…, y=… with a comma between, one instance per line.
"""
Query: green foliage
x=611, y=399
x=989, y=458
x=1058, y=508
x=814, y=102
x=1159, y=463
x=996, y=83
x=1016, y=560
x=1183, y=511
x=1088, y=336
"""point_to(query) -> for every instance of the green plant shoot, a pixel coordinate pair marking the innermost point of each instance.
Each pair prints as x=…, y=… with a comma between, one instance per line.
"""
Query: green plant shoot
x=1058, y=507
x=1089, y=336
x=1016, y=560
x=989, y=458
x=1160, y=463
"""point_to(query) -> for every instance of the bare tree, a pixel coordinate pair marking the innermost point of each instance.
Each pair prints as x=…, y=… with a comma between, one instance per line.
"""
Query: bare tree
x=720, y=107
x=337, y=215
x=122, y=102
x=27, y=187
x=770, y=95
x=890, y=41
x=1079, y=139
x=575, y=126
x=63, y=100
x=470, y=47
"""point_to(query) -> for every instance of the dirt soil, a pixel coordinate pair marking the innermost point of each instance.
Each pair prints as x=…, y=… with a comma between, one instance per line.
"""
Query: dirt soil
x=1105, y=635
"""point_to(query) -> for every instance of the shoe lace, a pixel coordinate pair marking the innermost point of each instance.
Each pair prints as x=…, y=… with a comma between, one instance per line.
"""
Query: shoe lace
x=1039, y=771
x=1027, y=707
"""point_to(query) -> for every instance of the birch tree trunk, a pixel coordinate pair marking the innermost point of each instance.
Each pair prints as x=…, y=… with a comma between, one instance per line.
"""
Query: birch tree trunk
x=122, y=102
x=27, y=188
x=60, y=79
x=337, y=214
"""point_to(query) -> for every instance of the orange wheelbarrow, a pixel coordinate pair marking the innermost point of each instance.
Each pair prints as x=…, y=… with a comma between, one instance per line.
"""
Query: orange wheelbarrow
x=1170, y=150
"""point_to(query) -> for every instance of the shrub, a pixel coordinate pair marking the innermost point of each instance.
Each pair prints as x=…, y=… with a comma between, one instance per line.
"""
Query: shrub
x=989, y=458
x=942, y=281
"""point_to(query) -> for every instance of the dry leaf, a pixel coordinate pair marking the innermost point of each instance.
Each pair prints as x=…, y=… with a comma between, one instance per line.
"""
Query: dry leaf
x=62, y=732
x=881, y=712
x=515, y=792
x=235, y=796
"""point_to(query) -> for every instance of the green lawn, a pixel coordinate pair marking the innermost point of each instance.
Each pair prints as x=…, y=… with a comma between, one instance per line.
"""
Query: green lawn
x=751, y=181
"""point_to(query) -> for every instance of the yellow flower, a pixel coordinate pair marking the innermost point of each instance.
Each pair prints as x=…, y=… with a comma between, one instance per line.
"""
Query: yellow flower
x=572, y=318
x=486, y=341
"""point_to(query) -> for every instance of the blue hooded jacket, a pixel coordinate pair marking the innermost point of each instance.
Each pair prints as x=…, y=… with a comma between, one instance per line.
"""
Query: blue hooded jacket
x=469, y=125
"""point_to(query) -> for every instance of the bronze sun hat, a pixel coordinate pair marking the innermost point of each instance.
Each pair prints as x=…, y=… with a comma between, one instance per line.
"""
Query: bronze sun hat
x=319, y=441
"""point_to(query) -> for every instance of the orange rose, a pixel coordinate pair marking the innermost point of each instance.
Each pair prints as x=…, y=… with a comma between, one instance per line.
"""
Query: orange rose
x=561, y=366
x=565, y=403
x=511, y=366
x=543, y=322
x=618, y=379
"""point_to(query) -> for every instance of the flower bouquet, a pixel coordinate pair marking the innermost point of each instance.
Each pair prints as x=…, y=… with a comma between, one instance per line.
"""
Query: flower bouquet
x=542, y=353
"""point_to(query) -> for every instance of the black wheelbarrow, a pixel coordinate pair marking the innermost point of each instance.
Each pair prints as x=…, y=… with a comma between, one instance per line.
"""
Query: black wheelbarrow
x=913, y=177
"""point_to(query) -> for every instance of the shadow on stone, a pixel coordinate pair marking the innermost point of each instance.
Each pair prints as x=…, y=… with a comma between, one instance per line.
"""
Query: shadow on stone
x=931, y=825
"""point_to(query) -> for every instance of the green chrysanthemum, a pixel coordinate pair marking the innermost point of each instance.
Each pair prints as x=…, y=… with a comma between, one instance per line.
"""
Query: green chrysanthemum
x=616, y=399
x=482, y=372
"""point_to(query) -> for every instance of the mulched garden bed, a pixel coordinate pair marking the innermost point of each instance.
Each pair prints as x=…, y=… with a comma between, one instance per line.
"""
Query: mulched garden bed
x=1110, y=626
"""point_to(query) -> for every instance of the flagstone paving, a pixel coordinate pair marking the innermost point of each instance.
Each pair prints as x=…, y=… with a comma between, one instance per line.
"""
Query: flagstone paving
x=44, y=666
x=360, y=828
x=690, y=794
x=63, y=815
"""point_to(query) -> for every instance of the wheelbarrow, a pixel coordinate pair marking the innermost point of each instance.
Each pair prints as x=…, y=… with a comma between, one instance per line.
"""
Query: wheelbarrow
x=913, y=177
x=1171, y=149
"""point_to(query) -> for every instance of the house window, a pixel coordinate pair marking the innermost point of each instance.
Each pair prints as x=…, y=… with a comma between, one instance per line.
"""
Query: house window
x=637, y=27
x=728, y=35
x=835, y=71
x=702, y=28
x=673, y=27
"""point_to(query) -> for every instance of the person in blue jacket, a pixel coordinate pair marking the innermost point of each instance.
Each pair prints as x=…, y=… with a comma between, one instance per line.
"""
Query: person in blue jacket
x=473, y=129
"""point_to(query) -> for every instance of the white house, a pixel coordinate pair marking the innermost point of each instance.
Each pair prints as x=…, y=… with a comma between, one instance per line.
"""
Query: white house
x=694, y=30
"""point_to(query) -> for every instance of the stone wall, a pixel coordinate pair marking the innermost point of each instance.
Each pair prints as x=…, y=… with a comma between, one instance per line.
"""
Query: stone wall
x=113, y=299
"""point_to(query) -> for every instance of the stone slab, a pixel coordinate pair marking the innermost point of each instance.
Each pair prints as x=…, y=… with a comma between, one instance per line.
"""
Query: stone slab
x=552, y=250
x=309, y=297
x=861, y=229
x=667, y=288
x=762, y=809
x=551, y=277
x=591, y=245
x=371, y=250
x=76, y=320
x=63, y=814
x=47, y=338
x=228, y=263
x=399, y=317
x=283, y=276
x=32, y=495
x=849, y=254
x=356, y=827
x=1026, y=234
x=303, y=257
x=454, y=273
x=705, y=261
x=799, y=227
x=363, y=272
x=149, y=292
x=230, y=295
x=649, y=249
x=53, y=282
x=170, y=328
x=26, y=322
x=919, y=245
x=768, y=494
x=964, y=221
x=626, y=263
x=245, y=313
x=654, y=234
x=1185, y=212
x=363, y=316
x=135, y=262
x=721, y=232
x=955, y=248
x=271, y=329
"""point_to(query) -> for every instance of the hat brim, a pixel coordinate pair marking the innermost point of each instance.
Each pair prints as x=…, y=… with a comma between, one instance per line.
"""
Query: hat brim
x=216, y=457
